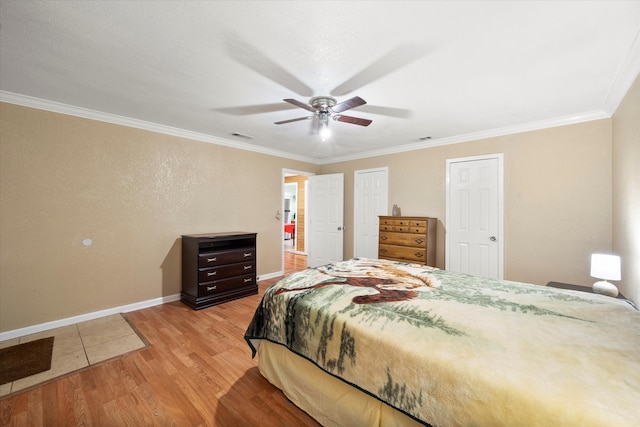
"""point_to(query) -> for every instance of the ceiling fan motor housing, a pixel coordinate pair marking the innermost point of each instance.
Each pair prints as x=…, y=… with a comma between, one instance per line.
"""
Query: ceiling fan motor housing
x=322, y=103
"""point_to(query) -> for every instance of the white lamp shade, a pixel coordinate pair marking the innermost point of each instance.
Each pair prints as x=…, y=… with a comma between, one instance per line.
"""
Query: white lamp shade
x=605, y=266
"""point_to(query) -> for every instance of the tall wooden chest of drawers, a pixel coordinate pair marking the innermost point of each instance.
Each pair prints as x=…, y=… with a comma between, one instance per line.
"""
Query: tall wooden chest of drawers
x=217, y=268
x=408, y=239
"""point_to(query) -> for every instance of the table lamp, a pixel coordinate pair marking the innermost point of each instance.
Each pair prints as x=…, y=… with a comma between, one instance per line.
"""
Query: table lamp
x=606, y=267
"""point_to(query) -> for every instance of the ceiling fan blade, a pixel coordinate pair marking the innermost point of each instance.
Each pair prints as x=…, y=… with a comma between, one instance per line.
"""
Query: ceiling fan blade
x=353, y=120
x=246, y=110
x=300, y=104
x=348, y=104
x=293, y=120
x=257, y=61
x=387, y=64
x=400, y=113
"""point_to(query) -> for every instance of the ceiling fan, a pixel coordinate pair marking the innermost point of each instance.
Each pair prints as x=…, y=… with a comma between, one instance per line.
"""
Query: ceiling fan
x=255, y=59
x=325, y=107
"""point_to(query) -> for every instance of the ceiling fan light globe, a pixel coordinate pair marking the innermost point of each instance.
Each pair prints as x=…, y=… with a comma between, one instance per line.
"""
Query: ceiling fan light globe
x=325, y=133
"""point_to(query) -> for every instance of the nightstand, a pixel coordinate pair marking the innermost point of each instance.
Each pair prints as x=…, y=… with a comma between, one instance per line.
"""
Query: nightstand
x=588, y=289
x=585, y=289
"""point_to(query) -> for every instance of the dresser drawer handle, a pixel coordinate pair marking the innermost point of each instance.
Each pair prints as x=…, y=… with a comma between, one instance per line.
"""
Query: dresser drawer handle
x=419, y=254
x=213, y=273
x=212, y=259
x=419, y=241
x=383, y=237
x=248, y=254
x=248, y=267
x=248, y=279
x=383, y=250
x=212, y=288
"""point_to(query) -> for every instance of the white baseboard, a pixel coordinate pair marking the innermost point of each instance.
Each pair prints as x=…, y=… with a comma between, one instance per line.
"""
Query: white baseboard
x=16, y=333
x=270, y=275
x=88, y=316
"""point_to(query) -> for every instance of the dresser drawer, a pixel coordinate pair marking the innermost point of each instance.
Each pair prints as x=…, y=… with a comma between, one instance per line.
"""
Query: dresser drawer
x=216, y=273
x=395, y=222
x=405, y=226
x=386, y=227
x=409, y=229
x=403, y=252
x=403, y=239
x=417, y=223
x=211, y=259
x=225, y=285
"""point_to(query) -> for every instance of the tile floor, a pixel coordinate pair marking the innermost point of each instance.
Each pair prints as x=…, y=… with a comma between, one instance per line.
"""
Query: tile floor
x=78, y=346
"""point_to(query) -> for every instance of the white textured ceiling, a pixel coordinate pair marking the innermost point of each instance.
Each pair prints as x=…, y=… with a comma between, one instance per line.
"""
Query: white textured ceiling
x=448, y=70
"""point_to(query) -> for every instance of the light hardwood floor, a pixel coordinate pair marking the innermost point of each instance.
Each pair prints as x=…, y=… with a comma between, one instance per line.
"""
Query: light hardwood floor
x=197, y=372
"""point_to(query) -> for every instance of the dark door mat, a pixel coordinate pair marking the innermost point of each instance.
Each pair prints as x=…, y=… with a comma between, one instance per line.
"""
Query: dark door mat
x=23, y=360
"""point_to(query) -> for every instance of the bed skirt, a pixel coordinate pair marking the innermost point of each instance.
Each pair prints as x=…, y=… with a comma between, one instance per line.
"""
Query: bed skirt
x=328, y=400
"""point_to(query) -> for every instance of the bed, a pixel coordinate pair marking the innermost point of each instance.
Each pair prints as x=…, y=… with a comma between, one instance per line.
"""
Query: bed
x=380, y=343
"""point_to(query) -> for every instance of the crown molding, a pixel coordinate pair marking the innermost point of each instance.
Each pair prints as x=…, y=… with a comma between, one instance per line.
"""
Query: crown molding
x=57, y=107
x=628, y=72
x=475, y=136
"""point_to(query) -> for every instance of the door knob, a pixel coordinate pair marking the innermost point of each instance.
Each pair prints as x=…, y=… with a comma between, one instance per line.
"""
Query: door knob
x=493, y=238
x=339, y=228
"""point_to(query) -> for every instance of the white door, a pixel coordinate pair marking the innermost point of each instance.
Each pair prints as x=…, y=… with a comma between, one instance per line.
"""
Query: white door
x=474, y=216
x=370, y=201
x=326, y=203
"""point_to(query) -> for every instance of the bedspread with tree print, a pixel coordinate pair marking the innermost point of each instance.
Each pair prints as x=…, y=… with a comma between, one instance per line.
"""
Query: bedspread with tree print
x=452, y=349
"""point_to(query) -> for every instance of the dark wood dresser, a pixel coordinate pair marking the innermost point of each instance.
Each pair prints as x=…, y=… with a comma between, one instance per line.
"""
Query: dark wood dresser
x=408, y=239
x=217, y=268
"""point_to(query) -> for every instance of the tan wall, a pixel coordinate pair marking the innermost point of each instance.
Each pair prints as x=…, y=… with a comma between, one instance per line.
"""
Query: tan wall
x=557, y=196
x=134, y=192
x=64, y=179
x=626, y=191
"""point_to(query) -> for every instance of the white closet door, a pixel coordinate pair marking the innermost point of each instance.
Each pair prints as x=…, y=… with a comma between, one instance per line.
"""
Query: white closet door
x=474, y=216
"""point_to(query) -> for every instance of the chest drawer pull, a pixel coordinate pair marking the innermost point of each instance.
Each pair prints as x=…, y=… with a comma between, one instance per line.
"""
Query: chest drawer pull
x=419, y=254
x=212, y=259
x=248, y=279
x=383, y=237
x=212, y=273
x=248, y=254
x=247, y=267
x=212, y=288
x=419, y=241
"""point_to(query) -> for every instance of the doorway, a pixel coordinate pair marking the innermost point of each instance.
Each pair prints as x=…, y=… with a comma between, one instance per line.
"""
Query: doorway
x=293, y=223
x=290, y=212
